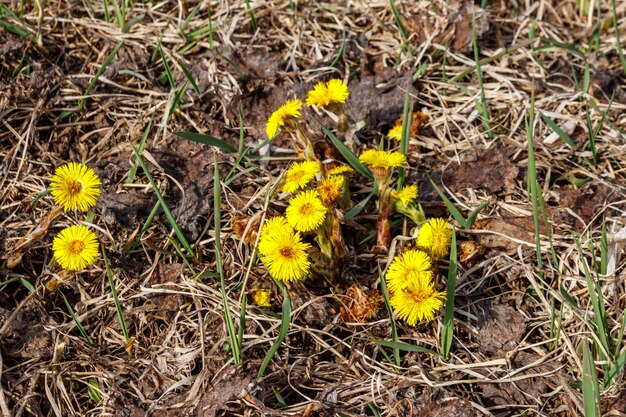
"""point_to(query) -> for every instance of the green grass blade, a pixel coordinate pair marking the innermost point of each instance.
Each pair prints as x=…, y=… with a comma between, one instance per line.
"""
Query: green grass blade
x=147, y=224
x=132, y=174
x=591, y=388
x=620, y=50
x=116, y=300
x=284, y=329
x=341, y=47
x=217, y=216
x=604, y=250
x=190, y=78
x=597, y=302
x=358, y=207
x=406, y=134
x=447, y=330
x=206, y=140
x=557, y=129
x=240, y=151
x=483, y=109
x=352, y=159
x=166, y=66
x=103, y=67
x=79, y=326
x=403, y=346
x=170, y=217
x=533, y=185
x=253, y=21
x=451, y=207
x=474, y=214
x=392, y=322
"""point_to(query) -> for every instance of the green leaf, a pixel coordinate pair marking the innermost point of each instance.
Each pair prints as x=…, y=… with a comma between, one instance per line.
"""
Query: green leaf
x=352, y=159
x=206, y=140
x=448, y=320
x=358, y=208
x=402, y=346
x=557, y=129
x=591, y=388
x=284, y=329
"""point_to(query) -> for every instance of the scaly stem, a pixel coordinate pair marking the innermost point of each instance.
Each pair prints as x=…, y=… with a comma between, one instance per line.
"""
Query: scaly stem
x=383, y=232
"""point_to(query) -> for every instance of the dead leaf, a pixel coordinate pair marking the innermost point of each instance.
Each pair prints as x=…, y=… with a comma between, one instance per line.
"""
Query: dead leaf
x=488, y=168
x=450, y=24
x=360, y=305
x=229, y=385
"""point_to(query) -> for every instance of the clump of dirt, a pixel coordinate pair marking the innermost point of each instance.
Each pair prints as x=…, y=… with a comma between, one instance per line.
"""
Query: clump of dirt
x=25, y=336
x=501, y=328
x=577, y=207
x=489, y=168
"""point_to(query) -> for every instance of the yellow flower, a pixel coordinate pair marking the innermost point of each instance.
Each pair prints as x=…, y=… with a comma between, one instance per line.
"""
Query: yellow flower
x=329, y=189
x=339, y=170
x=381, y=159
x=419, y=301
x=284, y=254
x=395, y=133
x=75, y=247
x=273, y=226
x=412, y=266
x=306, y=211
x=435, y=236
x=285, y=113
x=325, y=94
x=261, y=297
x=75, y=186
x=405, y=195
x=299, y=175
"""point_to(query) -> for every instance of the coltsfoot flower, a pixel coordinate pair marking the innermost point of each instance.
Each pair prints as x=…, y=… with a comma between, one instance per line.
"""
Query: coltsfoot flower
x=435, y=236
x=339, y=170
x=299, y=175
x=376, y=158
x=261, y=297
x=75, y=248
x=406, y=194
x=284, y=254
x=417, y=302
x=306, y=211
x=329, y=189
x=325, y=94
x=287, y=112
x=75, y=186
x=395, y=133
x=408, y=268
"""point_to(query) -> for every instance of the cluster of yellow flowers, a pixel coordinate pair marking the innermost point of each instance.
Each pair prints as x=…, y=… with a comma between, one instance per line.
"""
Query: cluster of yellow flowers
x=410, y=276
x=328, y=95
x=75, y=187
x=280, y=244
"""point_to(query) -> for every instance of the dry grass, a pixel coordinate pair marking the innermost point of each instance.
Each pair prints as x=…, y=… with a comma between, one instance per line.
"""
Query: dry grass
x=517, y=347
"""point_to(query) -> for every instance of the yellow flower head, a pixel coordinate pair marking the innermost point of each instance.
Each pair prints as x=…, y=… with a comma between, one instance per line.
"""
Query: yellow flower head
x=285, y=113
x=273, y=226
x=261, y=297
x=325, y=94
x=329, y=189
x=412, y=266
x=299, y=175
x=340, y=170
x=306, y=211
x=405, y=195
x=435, y=236
x=75, y=186
x=417, y=302
x=382, y=159
x=284, y=254
x=395, y=133
x=75, y=247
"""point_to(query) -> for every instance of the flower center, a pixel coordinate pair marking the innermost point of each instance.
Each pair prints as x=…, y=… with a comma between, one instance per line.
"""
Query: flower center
x=74, y=187
x=419, y=296
x=306, y=209
x=76, y=246
x=287, y=251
